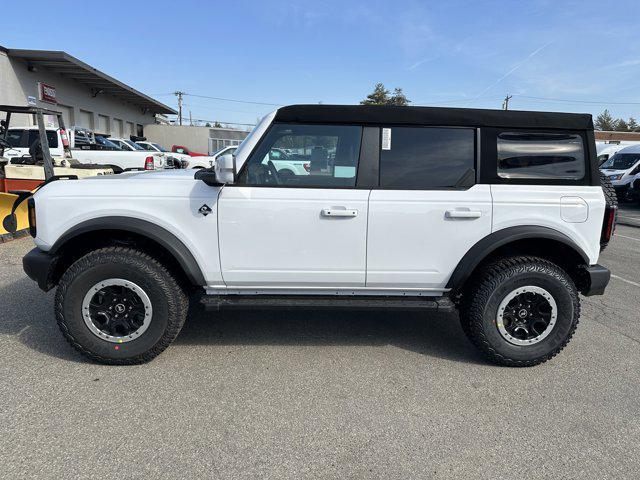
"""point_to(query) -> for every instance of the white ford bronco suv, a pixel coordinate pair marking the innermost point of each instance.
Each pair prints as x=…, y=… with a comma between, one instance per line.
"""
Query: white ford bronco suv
x=499, y=214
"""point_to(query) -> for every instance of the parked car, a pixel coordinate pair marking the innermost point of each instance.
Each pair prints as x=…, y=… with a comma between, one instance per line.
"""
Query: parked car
x=623, y=169
x=184, y=150
x=500, y=214
x=180, y=160
x=288, y=164
x=106, y=143
x=196, y=162
x=84, y=152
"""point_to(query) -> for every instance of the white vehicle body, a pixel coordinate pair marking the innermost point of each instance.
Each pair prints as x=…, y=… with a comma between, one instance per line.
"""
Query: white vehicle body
x=485, y=211
x=210, y=160
x=201, y=161
x=303, y=251
x=179, y=160
x=124, y=160
x=623, y=167
x=607, y=150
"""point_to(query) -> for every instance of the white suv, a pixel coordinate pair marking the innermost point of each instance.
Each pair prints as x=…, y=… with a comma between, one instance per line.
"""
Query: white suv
x=500, y=214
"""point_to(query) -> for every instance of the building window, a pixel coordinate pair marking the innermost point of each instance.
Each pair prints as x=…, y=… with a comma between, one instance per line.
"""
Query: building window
x=118, y=130
x=103, y=125
x=86, y=119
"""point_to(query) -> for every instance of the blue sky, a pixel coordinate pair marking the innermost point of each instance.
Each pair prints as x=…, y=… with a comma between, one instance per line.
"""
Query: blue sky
x=449, y=53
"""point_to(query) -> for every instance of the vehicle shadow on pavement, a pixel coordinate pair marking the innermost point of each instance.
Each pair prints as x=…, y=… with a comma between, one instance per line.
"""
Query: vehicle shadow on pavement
x=28, y=315
x=431, y=334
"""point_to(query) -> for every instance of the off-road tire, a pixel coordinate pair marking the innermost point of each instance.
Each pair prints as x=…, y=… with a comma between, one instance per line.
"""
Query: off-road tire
x=610, y=196
x=168, y=299
x=611, y=200
x=488, y=287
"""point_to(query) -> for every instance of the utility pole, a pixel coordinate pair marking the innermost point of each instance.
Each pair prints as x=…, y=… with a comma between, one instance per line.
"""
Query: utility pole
x=190, y=120
x=505, y=103
x=179, y=95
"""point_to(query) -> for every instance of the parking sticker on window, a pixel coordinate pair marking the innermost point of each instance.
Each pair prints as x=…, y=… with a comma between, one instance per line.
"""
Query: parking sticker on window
x=386, y=139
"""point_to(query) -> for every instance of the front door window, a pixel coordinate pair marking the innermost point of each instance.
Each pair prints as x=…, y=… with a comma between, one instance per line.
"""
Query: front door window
x=322, y=156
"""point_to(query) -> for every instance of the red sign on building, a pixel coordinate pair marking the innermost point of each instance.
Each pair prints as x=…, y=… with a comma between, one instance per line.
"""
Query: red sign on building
x=47, y=93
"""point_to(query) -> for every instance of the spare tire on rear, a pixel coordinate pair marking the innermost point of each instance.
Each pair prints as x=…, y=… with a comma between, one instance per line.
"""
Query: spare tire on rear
x=609, y=192
x=611, y=201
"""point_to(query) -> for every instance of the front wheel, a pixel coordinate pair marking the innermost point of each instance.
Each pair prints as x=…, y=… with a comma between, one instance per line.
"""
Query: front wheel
x=520, y=311
x=120, y=306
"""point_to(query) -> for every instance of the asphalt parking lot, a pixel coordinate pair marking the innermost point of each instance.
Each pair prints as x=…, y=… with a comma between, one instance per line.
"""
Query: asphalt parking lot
x=322, y=395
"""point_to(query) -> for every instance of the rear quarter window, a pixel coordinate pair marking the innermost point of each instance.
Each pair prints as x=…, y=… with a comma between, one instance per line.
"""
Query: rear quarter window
x=529, y=155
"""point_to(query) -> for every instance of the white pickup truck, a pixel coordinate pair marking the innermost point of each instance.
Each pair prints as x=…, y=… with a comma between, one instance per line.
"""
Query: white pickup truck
x=21, y=139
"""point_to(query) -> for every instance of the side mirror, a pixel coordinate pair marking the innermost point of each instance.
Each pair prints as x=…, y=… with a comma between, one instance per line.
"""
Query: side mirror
x=225, y=168
x=208, y=176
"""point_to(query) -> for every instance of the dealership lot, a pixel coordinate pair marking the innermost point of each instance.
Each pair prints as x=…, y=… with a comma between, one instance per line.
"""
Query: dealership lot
x=322, y=394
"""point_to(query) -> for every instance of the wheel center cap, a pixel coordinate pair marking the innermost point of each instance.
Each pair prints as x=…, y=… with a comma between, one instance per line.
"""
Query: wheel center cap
x=120, y=308
x=522, y=313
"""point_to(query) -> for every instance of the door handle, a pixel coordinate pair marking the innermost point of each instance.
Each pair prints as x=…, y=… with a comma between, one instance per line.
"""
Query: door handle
x=463, y=213
x=338, y=212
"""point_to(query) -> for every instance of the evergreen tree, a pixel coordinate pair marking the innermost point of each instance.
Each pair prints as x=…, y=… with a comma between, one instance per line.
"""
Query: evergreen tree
x=633, y=125
x=620, y=125
x=379, y=96
x=399, y=98
x=605, y=121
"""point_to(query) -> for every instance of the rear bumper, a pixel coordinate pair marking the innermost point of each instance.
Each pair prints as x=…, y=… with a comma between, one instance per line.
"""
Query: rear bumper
x=40, y=266
x=596, y=280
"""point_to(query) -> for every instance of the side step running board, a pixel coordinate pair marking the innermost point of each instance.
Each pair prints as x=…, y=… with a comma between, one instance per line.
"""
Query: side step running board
x=261, y=302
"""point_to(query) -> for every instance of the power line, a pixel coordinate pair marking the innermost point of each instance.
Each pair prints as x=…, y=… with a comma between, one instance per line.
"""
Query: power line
x=234, y=100
x=220, y=121
x=216, y=108
x=566, y=100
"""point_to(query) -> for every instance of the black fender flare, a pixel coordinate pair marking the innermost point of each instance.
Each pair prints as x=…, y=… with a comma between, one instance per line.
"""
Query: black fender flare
x=154, y=232
x=495, y=240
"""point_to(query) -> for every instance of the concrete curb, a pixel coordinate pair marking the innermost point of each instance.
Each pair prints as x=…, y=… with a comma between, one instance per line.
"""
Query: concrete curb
x=7, y=237
x=629, y=223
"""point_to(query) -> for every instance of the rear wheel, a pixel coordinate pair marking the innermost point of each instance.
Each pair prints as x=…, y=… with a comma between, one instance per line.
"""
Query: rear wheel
x=520, y=311
x=120, y=306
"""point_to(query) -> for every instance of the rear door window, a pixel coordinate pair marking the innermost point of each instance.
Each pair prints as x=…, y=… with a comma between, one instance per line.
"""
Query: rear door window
x=427, y=158
x=529, y=155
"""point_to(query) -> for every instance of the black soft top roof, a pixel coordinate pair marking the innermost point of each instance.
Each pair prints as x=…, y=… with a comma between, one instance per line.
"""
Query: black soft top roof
x=456, y=117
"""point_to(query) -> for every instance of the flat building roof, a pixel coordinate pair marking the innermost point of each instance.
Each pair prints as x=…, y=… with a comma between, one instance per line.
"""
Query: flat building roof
x=70, y=67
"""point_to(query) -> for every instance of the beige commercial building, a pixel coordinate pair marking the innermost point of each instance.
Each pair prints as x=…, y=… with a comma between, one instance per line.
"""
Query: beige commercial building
x=86, y=96
x=199, y=139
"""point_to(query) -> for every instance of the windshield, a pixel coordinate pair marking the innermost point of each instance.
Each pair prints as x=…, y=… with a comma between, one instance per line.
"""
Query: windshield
x=159, y=147
x=133, y=145
x=621, y=161
x=106, y=143
x=145, y=146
